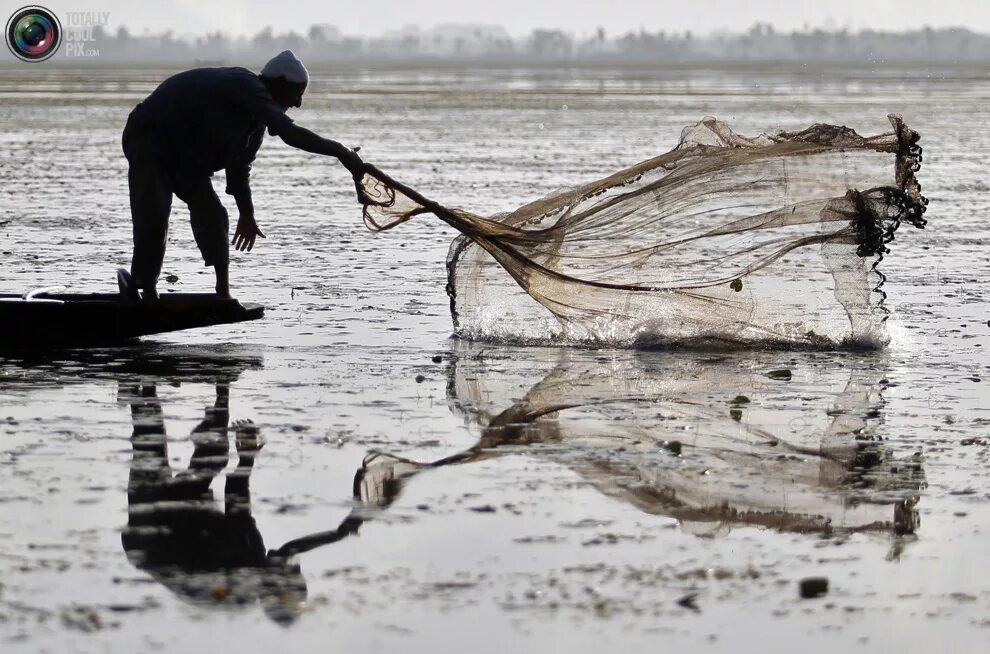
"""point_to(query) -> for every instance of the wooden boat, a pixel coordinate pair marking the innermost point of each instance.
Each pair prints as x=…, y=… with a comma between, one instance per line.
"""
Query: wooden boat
x=47, y=319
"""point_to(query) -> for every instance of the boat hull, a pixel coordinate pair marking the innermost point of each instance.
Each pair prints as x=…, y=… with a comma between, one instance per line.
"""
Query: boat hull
x=93, y=319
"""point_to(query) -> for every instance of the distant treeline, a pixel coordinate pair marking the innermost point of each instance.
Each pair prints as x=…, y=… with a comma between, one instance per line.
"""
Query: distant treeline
x=325, y=43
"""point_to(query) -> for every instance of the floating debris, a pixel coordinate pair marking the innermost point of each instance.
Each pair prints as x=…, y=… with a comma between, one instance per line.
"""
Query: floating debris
x=812, y=587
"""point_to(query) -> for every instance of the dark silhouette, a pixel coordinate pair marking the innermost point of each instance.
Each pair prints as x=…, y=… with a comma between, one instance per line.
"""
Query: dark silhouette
x=194, y=124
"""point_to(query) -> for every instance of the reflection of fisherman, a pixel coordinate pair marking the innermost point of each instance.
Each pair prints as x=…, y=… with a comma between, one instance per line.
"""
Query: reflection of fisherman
x=194, y=124
x=174, y=531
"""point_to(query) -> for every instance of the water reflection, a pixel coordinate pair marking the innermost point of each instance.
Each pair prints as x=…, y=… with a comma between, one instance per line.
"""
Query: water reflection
x=715, y=442
x=147, y=360
x=175, y=531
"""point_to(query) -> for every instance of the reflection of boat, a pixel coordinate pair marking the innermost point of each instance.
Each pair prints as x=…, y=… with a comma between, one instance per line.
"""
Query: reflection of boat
x=42, y=320
x=142, y=362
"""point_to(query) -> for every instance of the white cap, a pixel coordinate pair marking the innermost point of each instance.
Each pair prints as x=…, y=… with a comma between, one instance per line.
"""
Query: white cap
x=285, y=64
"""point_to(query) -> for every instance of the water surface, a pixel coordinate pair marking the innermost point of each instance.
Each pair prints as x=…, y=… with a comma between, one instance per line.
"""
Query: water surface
x=414, y=491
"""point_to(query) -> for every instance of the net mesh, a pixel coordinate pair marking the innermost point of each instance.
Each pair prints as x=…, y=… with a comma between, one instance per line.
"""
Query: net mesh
x=773, y=239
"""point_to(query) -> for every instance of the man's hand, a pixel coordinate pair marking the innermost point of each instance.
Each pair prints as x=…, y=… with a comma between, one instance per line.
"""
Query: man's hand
x=245, y=234
x=352, y=162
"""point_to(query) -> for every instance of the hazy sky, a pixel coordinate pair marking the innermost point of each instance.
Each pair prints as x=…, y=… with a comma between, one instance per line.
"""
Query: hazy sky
x=521, y=16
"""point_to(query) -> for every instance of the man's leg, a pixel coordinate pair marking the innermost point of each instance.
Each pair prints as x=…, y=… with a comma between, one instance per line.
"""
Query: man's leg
x=223, y=279
x=210, y=228
x=210, y=442
x=151, y=204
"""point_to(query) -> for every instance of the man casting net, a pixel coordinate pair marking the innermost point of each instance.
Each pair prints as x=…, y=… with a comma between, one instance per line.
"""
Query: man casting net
x=774, y=239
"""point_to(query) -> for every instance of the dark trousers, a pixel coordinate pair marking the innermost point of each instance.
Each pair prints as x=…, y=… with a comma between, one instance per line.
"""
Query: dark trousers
x=152, y=183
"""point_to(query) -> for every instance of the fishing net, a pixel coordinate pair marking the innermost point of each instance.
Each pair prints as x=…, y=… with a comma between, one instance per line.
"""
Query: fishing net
x=773, y=239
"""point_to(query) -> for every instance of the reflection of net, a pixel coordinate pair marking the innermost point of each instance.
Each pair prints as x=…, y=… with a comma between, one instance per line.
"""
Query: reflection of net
x=746, y=453
x=771, y=239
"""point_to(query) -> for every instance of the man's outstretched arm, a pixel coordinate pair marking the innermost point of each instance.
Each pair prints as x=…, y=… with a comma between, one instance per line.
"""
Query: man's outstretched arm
x=302, y=138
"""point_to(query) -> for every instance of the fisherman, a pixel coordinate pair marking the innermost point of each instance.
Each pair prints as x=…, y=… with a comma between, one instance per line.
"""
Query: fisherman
x=194, y=124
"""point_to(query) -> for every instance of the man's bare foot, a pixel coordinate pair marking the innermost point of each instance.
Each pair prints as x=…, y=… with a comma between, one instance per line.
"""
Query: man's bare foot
x=128, y=289
x=224, y=293
x=150, y=294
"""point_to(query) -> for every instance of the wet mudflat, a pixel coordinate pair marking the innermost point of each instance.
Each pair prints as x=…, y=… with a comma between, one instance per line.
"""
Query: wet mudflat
x=397, y=488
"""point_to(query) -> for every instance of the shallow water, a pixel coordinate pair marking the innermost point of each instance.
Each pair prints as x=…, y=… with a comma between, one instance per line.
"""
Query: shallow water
x=572, y=498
